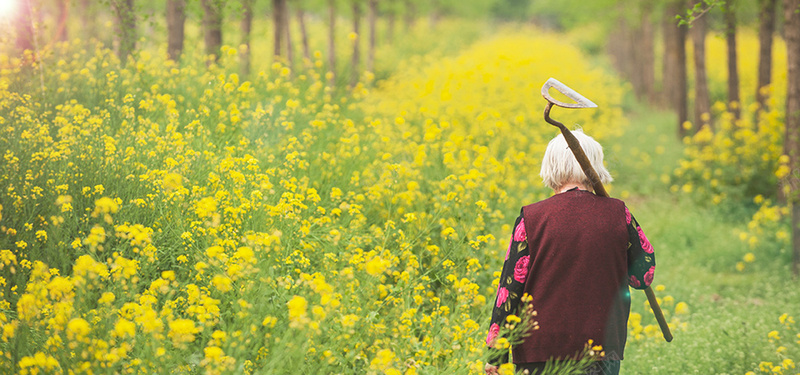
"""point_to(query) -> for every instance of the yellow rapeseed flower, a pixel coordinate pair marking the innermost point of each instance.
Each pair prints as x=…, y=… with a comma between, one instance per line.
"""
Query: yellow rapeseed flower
x=681, y=308
x=297, y=306
x=182, y=331
x=222, y=283
x=124, y=328
x=77, y=329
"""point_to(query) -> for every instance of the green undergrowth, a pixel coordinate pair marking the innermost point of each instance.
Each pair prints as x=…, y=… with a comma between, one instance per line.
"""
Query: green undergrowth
x=732, y=312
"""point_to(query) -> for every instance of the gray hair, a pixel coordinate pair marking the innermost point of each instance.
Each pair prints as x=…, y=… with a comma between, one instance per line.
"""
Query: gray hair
x=559, y=166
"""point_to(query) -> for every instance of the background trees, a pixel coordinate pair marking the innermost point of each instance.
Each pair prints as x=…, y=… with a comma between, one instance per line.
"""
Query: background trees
x=792, y=140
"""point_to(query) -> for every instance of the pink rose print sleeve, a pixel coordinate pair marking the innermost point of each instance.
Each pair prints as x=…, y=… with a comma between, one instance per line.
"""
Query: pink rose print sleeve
x=641, y=256
x=502, y=296
x=493, y=331
x=521, y=269
x=509, y=290
x=519, y=232
x=646, y=246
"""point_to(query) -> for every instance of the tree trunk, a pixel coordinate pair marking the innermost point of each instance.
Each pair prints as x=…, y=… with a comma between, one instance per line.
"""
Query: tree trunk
x=23, y=23
x=792, y=135
x=287, y=33
x=354, y=77
x=681, y=92
x=373, y=16
x=176, y=19
x=674, y=80
x=390, y=26
x=301, y=19
x=126, y=21
x=247, y=29
x=332, y=41
x=212, y=27
x=63, y=14
x=435, y=13
x=88, y=19
x=702, y=102
x=647, y=51
x=792, y=130
x=765, y=33
x=670, y=57
x=631, y=41
x=276, y=22
x=621, y=45
x=734, y=102
x=409, y=15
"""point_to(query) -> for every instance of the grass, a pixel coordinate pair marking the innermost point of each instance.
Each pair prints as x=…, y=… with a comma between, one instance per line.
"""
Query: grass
x=696, y=245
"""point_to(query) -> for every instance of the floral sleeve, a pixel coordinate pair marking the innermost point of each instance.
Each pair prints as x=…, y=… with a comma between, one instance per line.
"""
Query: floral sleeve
x=641, y=258
x=512, y=282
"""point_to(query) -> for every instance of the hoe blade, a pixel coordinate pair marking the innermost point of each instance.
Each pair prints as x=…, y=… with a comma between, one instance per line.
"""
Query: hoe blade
x=580, y=100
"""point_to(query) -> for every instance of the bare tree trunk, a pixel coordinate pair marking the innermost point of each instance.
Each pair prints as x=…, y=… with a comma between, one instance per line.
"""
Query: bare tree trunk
x=63, y=15
x=247, y=29
x=792, y=135
x=212, y=27
x=621, y=45
x=765, y=33
x=88, y=19
x=734, y=102
x=702, y=102
x=23, y=23
x=435, y=13
x=356, y=59
x=670, y=57
x=373, y=16
x=301, y=18
x=681, y=94
x=647, y=51
x=614, y=49
x=631, y=41
x=277, y=18
x=126, y=20
x=675, y=64
x=390, y=27
x=410, y=14
x=176, y=20
x=332, y=40
x=287, y=33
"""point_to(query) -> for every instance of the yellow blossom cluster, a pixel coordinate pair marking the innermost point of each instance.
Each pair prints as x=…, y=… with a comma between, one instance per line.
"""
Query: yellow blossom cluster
x=731, y=158
x=767, y=233
x=786, y=343
x=642, y=324
x=161, y=215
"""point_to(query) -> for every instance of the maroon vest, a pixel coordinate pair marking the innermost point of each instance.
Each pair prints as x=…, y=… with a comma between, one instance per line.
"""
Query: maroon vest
x=578, y=276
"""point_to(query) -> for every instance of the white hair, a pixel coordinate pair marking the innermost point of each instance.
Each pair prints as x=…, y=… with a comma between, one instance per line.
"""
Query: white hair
x=559, y=166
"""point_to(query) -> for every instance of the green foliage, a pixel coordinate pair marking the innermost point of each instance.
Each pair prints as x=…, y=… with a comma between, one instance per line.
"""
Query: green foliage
x=511, y=10
x=699, y=9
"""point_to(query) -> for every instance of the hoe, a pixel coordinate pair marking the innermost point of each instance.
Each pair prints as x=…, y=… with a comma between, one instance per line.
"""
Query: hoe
x=575, y=146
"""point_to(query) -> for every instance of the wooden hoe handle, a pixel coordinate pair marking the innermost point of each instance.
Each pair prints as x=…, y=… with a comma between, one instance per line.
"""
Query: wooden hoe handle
x=600, y=190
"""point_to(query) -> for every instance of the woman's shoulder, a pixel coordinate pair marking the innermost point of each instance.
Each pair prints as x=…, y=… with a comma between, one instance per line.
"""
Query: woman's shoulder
x=576, y=198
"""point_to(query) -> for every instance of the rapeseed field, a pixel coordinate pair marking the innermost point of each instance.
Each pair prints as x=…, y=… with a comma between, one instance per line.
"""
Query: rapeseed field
x=176, y=217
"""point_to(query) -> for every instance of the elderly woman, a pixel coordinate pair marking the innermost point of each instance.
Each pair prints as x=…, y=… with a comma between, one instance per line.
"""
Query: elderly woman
x=575, y=254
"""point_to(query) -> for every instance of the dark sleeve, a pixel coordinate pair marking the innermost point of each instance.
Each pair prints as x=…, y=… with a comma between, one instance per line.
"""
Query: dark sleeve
x=509, y=291
x=641, y=257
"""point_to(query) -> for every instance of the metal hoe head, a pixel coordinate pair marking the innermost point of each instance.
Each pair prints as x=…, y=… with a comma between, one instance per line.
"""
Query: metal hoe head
x=580, y=100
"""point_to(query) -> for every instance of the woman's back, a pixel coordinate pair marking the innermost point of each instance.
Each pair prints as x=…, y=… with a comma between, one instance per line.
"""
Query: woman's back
x=577, y=275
